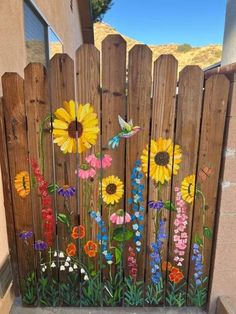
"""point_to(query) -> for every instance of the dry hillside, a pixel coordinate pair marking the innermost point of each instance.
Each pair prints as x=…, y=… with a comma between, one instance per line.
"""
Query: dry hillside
x=185, y=54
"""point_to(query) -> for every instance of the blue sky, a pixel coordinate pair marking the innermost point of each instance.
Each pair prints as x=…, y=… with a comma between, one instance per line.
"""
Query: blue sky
x=197, y=22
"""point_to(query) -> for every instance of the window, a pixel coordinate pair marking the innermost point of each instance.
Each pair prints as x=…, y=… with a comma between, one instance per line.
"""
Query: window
x=35, y=36
x=55, y=45
x=41, y=41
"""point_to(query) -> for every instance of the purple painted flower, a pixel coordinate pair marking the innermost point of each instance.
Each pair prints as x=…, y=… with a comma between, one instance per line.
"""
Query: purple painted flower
x=24, y=235
x=66, y=191
x=156, y=205
x=40, y=245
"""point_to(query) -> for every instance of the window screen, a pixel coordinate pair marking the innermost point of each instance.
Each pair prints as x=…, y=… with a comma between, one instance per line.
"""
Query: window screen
x=35, y=36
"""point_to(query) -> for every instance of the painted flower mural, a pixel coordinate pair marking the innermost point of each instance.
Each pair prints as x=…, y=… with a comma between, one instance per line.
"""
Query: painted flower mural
x=75, y=129
x=165, y=158
x=113, y=237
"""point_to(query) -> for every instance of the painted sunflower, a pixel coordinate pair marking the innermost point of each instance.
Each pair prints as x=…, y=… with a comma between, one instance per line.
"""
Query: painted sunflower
x=22, y=183
x=112, y=190
x=67, y=124
x=162, y=160
x=188, y=188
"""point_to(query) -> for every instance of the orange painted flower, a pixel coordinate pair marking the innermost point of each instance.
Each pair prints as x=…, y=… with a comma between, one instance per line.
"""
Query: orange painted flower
x=22, y=183
x=71, y=249
x=91, y=248
x=166, y=266
x=78, y=232
x=176, y=275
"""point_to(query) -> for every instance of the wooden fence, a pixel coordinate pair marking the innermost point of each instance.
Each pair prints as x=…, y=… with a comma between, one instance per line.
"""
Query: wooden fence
x=81, y=236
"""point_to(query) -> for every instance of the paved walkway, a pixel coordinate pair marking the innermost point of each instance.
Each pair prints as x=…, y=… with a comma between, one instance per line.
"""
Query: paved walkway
x=18, y=309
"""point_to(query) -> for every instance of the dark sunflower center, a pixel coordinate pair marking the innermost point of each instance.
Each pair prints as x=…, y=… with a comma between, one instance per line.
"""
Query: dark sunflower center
x=162, y=158
x=111, y=188
x=189, y=188
x=73, y=127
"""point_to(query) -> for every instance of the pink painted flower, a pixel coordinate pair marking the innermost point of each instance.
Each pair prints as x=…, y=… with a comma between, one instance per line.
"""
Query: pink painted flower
x=118, y=217
x=180, y=236
x=85, y=171
x=99, y=161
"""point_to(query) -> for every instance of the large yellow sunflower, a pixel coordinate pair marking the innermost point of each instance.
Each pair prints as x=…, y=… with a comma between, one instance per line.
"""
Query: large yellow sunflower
x=162, y=160
x=22, y=184
x=68, y=123
x=112, y=190
x=188, y=188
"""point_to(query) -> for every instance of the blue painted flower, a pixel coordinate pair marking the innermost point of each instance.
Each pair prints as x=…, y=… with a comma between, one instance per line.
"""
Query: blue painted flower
x=198, y=264
x=24, y=235
x=40, y=245
x=155, y=255
x=156, y=205
x=137, y=204
x=66, y=191
x=102, y=236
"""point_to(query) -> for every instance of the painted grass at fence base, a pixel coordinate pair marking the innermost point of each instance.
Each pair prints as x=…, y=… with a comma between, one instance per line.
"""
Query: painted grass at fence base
x=128, y=223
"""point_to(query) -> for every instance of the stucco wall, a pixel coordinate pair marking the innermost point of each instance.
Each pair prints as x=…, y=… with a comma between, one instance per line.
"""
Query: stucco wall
x=65, y=23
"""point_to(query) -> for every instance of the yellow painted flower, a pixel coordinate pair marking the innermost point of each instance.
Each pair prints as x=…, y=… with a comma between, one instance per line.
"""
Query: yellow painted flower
x=162, y=160
x=65, y=127
x=112, y=190
x=188, y=188
x=22, y=184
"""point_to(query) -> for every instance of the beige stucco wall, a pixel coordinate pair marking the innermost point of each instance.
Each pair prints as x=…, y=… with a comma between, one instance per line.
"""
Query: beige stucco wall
x=65, y=23
x=57, y=13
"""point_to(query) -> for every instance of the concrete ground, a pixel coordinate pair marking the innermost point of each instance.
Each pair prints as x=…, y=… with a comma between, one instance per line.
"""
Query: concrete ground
x=18, y=309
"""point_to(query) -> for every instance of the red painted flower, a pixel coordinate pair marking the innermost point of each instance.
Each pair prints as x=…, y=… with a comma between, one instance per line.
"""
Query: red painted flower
x=78, y=232
x=175, y=275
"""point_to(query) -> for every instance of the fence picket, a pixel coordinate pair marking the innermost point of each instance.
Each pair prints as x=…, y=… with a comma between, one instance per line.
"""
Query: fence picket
x=62, y=89
x=17, y=146
x=210, y=153
x=88, y=91
x=139, y=110
x=113, y=104
x=163, y=121
x=188, y=118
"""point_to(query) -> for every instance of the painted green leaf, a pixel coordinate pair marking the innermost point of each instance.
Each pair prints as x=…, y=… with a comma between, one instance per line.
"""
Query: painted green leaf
x=52, y=188
x=208, y=233
x=198, y=240
x=120, y=234
x=117, y=255
x=63, y=218
x=170, y=206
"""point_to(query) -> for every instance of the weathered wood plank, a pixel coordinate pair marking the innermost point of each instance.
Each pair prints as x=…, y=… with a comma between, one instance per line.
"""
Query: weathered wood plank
x=188, y=118
x=113, y=104
x=37, y=108
x=88, y=91
x=62, y=89
x=17, y=147
x=139, y=110
x=7, y=194
x=210, y=153
x=163, y=121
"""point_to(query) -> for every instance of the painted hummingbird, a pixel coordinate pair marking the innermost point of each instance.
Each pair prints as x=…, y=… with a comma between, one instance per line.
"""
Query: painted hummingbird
x=127, y=130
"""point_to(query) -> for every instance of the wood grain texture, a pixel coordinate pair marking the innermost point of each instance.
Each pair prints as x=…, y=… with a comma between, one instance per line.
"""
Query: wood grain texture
x=62, y=89
x=210, y=154
x=139, y=110
x=163, y=122
x=17, y=147
x=37, y=108
x=88, y=91
x=188, y=117
x=7, y=194
x=113, y=104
